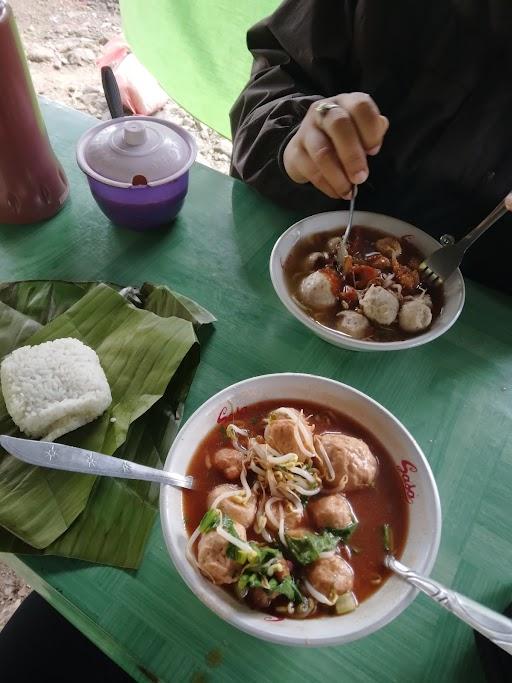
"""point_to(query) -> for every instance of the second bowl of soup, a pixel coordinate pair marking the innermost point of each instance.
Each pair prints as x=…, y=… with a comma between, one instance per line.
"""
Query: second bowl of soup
x=369, y=295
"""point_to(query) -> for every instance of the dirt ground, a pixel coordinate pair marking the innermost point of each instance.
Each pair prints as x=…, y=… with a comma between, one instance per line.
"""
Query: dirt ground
x=62, y=40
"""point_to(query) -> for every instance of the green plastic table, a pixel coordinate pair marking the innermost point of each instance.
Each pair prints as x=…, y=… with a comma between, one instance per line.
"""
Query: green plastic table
x=454, y=395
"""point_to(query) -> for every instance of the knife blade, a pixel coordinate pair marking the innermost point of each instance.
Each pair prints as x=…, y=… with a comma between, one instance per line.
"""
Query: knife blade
x=72, y=459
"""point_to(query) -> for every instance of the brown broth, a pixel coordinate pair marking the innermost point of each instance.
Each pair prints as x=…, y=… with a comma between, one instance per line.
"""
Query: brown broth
x=361, y=244
x=374, y=507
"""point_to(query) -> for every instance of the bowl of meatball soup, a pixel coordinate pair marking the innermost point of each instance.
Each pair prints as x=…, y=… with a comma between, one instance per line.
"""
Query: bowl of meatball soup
x=300, y=481
x=367, y=295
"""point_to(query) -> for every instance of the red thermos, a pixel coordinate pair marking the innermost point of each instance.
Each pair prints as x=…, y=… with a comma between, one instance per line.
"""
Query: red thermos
x=33, y=186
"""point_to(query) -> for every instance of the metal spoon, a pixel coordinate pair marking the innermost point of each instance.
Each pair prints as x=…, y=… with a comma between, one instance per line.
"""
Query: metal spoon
x=342, y=249
x=486, y=621
x=57, y=456
x=346, y=234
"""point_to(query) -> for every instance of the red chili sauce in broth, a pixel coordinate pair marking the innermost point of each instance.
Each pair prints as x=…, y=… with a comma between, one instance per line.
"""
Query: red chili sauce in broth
x=385, y=503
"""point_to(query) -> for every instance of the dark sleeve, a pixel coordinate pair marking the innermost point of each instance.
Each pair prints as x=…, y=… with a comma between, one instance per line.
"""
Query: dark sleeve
x=301, y=54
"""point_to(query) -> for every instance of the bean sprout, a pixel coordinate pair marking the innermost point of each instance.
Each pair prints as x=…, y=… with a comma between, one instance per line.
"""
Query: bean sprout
x=307, y=492
x=325, y=459
x=327, y=553
x=282, y=536
x=234, y=540
x=257, y=470
x=289, y=458
x=246, y=487
x=304, y=474
x=267, y=536
x=301, y=432
x=319, y=596
x=269, y=512
x=232, y=493
x=233, y=431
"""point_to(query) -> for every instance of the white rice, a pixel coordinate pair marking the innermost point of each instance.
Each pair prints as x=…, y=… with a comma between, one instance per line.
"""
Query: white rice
x=53, y=388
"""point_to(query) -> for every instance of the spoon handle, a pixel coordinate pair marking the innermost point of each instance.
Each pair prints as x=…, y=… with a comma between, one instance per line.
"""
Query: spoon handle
x=348, y=229
x=57, y=456
x=486, y=621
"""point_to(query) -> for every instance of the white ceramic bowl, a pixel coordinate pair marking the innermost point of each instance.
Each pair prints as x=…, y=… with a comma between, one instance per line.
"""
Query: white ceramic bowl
x=323, y=222
x=424, y=510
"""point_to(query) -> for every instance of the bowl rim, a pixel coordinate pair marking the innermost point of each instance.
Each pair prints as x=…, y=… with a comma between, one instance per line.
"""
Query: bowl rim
x=85, y=137
x=235, y=618
x=338, y=338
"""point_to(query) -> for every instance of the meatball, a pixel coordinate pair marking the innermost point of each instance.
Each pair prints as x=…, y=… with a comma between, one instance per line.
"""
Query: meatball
x=281, y=434
x=425, y=299
x=355, y=466
x=332, y=512
x=259, y=598
x=380, y=305
x=330, y=576
x=414, y=316
x=389, y=246
x=242, y=512
x=316, y=259
x=354, y=324
x=229, y=462
x=212, y=559
x=316, y=290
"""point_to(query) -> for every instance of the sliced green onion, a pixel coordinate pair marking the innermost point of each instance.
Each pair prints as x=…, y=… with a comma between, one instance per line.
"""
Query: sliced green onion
x=387, y=533
x=346, y=603
x=210, y=521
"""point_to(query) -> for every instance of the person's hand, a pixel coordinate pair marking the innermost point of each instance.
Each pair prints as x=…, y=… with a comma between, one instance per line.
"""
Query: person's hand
x=329, y=149
x=508, y=201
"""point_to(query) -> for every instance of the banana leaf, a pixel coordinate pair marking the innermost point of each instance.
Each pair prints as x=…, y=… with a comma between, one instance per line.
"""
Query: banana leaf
x=149, y=361
x=43, y=300
x=163, y=302
x=15, y=328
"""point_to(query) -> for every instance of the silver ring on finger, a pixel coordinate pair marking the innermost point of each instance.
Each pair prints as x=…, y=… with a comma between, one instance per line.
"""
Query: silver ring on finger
x=324, y=107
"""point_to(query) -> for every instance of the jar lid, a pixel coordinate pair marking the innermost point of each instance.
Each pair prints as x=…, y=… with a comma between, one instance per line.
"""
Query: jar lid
x=136, y=150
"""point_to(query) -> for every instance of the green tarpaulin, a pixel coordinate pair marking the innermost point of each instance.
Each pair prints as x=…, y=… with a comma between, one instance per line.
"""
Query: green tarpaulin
x=196, y=49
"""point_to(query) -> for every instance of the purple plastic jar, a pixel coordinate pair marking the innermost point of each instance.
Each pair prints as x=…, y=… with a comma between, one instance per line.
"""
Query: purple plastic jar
x=137, y=169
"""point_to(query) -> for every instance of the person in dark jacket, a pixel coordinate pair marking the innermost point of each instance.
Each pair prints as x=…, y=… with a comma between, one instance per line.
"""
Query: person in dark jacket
x=418, y=115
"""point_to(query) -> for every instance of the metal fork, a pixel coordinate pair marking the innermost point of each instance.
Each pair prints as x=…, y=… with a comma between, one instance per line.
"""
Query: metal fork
x=442, y=263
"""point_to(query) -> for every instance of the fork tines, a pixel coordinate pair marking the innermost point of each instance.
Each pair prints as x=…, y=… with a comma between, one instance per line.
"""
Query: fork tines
x=428, y=275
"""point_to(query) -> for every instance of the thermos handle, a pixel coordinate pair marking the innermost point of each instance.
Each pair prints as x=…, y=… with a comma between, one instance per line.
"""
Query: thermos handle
x=111, y=90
